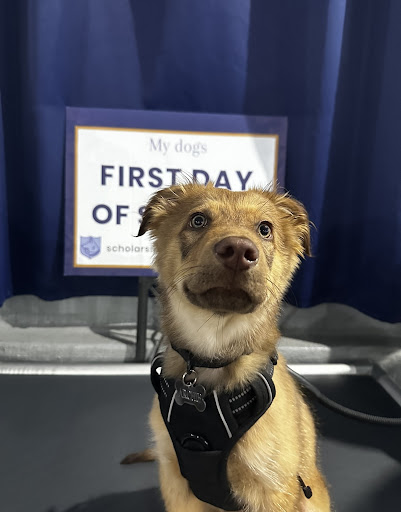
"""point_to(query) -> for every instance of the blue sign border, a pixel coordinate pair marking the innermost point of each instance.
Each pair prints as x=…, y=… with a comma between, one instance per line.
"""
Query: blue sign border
x=152, y=120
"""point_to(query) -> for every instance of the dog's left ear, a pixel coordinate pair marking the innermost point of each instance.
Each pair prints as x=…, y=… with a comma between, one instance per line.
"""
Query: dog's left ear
x=159, y=206
x=295, y=213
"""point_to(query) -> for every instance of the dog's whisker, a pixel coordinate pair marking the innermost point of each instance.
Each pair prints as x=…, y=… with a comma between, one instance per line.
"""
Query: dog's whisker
x=271, y=292
x=290, y=289
x=210, y=317
x=273, y=284
x=222, y=328
x=171, y=289
x=182, y=275
x=217, y=329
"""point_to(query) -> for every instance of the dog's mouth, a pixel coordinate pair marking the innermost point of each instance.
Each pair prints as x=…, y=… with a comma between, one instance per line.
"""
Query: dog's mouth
x=222, y=300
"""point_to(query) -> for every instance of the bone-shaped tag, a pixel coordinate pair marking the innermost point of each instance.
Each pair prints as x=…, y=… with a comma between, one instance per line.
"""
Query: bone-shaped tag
x=191, y=395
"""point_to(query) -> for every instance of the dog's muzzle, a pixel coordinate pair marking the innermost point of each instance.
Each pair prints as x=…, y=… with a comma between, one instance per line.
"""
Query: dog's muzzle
x=222, y=300
x=230, y=278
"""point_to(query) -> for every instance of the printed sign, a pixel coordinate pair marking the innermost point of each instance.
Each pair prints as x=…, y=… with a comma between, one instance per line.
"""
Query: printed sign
x=115, y=160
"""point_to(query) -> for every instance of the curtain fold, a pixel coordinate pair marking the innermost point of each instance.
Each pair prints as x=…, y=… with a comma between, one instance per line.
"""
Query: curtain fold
x=332, y=67
x=5, y=270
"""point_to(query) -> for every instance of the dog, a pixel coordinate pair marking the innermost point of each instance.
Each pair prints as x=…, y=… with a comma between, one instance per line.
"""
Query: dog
x=225, y=260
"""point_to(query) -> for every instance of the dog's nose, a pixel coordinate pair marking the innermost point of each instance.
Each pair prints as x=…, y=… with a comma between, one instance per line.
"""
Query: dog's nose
x=236, y=253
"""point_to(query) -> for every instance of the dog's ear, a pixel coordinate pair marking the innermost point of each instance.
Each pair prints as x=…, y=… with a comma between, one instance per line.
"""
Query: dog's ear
x=295, y=213
x=158, y=207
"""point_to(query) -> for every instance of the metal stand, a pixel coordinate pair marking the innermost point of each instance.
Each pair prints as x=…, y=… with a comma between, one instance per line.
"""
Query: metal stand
x=144, y=283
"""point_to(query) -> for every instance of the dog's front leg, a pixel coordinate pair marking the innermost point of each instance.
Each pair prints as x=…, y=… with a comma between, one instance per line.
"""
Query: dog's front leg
x=176, y=493
x=175, y=490
x=259, y=498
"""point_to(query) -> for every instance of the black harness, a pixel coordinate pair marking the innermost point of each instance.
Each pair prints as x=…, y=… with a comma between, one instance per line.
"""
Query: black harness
x=204, y=426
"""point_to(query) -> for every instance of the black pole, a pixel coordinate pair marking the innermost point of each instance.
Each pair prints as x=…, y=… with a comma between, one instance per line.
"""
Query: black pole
x=142, y=318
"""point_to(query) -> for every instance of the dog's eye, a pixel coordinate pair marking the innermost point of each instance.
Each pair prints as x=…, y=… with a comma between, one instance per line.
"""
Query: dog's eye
x=198, y=220
x=265, y=229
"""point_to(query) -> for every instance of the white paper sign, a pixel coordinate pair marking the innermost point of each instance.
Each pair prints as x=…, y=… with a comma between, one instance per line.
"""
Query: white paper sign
x=117, y=169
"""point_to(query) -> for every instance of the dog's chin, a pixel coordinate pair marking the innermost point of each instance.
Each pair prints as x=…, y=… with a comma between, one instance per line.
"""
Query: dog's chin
x=222, y=300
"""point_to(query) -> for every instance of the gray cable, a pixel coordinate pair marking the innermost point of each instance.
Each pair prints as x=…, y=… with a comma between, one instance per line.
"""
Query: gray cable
x=341, y=409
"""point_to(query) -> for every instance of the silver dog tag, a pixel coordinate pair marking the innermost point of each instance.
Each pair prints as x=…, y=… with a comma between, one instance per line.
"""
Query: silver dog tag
x=190, y=393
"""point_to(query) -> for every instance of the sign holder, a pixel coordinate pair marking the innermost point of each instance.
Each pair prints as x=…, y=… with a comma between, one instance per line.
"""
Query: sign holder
x=144, y=284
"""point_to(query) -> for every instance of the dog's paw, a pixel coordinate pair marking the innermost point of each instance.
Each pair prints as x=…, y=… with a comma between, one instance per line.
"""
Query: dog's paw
x=147, y=455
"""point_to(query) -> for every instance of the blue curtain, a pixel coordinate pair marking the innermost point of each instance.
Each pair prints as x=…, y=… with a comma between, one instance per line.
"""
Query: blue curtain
x=332, y=66
x=5, y=273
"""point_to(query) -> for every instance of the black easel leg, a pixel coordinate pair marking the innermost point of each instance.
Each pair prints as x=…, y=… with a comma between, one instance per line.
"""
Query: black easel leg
x=144, y=284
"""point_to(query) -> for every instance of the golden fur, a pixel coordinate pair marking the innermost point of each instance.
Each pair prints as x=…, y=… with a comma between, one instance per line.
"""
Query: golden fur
x=216, y=311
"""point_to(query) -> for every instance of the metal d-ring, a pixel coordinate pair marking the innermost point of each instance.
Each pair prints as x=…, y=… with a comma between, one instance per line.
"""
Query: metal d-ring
x=192, y=382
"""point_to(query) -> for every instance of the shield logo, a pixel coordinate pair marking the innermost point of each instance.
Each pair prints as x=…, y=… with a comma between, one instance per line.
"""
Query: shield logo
x=90, y=246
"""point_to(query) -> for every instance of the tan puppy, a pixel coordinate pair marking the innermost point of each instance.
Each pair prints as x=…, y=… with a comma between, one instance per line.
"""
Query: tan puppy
x=225, y=260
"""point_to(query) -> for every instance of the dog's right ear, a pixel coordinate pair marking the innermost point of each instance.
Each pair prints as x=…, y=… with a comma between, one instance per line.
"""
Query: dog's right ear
x=296, y=215
x=158, y=207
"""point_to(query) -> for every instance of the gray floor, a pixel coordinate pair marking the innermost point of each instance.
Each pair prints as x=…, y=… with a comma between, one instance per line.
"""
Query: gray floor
x=362, y=462
x=61, y=440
